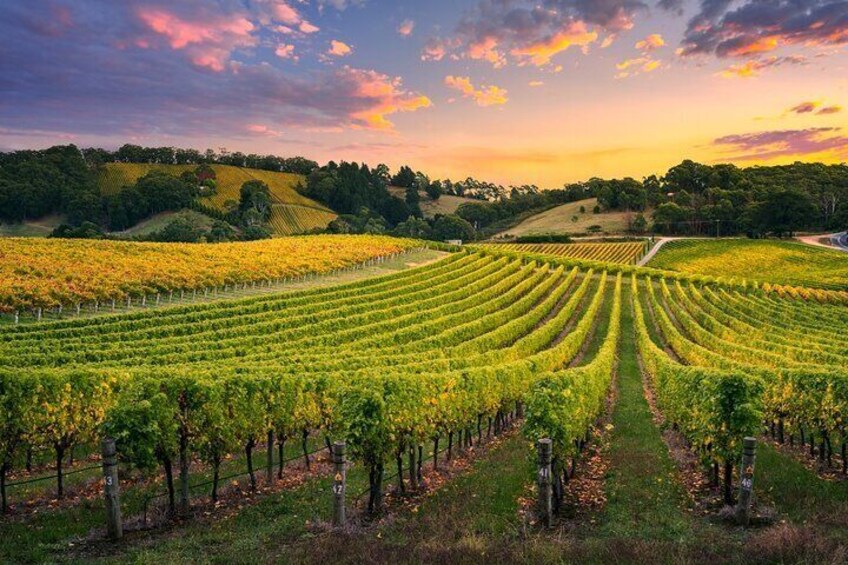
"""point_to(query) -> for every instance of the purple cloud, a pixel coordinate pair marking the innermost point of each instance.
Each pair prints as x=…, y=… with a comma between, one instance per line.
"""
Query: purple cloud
x=763, y=146
x=761, y=26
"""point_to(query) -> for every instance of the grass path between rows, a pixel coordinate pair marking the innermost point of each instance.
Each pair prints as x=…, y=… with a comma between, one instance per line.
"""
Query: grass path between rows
x=644, y=497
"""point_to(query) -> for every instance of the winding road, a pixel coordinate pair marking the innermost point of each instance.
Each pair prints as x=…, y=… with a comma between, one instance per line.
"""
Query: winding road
x=838, y=241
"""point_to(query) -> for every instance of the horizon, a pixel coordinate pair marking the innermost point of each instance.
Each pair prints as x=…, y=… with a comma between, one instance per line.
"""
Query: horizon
x=455, y=90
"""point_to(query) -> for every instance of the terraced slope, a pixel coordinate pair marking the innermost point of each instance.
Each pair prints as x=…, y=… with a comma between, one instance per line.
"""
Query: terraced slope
x=626, y=253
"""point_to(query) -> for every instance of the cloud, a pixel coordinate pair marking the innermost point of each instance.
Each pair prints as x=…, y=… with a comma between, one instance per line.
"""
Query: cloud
x=405, y=28
x=114, y=76
x=650, y=43
x=285, y=51
x=483, y=96
x=754, y=67
x=814, y=107
x=209, y=39
x=535, y=83
x=532, y=32
x=804, y=107
x=740, y=29
x=540, y=53
x=261, y=129
x=382, y=96
x=339, y=49
x=639, y=65
x=434, y=50
x=767, y=145
x=340, y=5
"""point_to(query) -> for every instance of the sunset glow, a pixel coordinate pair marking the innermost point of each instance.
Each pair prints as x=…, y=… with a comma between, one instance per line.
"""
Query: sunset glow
x=510, y=91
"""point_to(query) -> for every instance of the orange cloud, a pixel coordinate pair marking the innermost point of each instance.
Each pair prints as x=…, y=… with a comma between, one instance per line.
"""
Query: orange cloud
x=541, y=52
x=405, y=28
x=484, y=96
x=535, y=83
x=339, y=49
x=650, y=43
x=632, y=67
x=380, y=96
x=759, y=45
x=754, y=67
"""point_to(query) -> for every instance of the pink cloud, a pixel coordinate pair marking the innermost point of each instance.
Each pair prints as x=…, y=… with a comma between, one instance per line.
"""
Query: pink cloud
x=208, y=41
x=285, y=51
x=306, y=27
x=261, y=129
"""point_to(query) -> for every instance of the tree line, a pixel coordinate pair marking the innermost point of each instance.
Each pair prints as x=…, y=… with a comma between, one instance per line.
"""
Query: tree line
x=691, y=198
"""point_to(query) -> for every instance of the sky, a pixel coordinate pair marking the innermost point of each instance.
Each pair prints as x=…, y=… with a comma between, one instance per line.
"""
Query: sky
x=510, y=91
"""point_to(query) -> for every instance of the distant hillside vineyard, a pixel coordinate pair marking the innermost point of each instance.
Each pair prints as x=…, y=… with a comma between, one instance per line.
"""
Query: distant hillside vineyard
x=292, y=213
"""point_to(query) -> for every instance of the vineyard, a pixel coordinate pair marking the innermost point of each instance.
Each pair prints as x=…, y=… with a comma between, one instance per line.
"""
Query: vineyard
x=292, y=219
x=403, y=366
x=48, y=273
x=292, y=212
x=625, y=252
x=765, y=261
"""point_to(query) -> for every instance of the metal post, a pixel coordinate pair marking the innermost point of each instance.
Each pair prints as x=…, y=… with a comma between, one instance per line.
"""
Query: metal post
x=339, y=483
x=546, y=509
x=110, y=489
x=746, y=480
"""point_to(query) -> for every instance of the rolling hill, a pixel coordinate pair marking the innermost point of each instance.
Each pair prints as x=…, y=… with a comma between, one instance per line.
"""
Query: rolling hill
x=568, y=219
x=446, y=204
x=292, y=212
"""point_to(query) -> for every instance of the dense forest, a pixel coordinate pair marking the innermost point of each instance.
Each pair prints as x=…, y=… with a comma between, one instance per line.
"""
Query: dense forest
x=691, y=198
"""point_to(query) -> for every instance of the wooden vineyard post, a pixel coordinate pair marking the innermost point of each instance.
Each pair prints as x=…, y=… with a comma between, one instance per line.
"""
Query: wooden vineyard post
x=746, y=480
x=339, y=483
x=544, y=481
x=110, y=489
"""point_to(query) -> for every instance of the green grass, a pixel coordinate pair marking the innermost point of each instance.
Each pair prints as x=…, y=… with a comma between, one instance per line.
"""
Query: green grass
x=561, y=220
x=645, y=498
x=781, y=262
x=159, y=221
x=446, y=204
x=32, y=228
x=48, y=534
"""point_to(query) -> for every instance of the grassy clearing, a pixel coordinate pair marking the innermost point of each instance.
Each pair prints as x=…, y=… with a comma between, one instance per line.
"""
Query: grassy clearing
x=781, y=262
x=159, y=221
x=568, y=219
x=446, y=204
x=32, y=228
